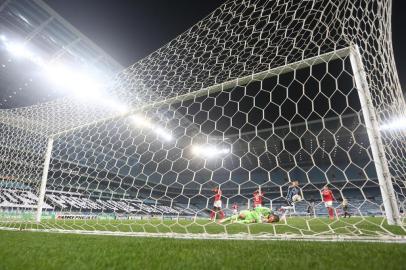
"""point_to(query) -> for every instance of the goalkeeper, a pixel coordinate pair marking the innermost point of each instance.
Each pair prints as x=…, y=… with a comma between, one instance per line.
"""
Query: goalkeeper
x=258, y=215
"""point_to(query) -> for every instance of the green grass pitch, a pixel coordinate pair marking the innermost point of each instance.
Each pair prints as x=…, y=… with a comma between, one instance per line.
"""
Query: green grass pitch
x=36, y=250
x=39, y=250
x=355, y=226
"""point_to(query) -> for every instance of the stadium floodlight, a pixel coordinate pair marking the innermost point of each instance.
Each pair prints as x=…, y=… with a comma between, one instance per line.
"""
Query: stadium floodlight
x=141, y=121
x=77, y=80
x=398, y=124
x=19, y=50
x=163, y=134
x=80, y=82
x=209, y=151
x=115, y=105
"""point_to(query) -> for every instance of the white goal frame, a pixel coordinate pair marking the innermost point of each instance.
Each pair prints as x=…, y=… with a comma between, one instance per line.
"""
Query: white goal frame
x=371, y=123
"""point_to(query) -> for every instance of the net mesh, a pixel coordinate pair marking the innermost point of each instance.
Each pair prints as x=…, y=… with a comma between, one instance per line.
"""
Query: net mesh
x=257, y=95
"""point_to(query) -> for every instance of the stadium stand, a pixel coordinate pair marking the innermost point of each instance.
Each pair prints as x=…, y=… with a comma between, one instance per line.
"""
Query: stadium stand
x=61, y=201
x=73, y=201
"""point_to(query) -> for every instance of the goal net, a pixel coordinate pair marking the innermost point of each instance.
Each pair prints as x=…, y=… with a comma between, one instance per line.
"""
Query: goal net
x=294, y=106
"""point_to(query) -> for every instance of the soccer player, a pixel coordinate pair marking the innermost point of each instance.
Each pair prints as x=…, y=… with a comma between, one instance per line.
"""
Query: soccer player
x=293, y=190
x=344, y=206
x=328, y=198
x=258, y=195
x=234, y=208
x=311, y=208
x=252, y=216
x=217, y=204
x=263, y=211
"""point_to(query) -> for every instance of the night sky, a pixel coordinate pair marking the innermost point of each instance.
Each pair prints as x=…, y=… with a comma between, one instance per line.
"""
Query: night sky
x=129, y=30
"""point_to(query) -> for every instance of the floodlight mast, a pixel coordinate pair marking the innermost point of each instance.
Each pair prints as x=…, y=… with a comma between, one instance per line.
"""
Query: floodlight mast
x=378, y=152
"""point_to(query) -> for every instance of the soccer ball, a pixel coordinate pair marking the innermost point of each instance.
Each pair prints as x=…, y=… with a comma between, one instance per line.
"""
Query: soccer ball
x=296, y=198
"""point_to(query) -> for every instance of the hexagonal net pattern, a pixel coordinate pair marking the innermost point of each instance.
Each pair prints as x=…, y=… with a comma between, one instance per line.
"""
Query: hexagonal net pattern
x=266, y=119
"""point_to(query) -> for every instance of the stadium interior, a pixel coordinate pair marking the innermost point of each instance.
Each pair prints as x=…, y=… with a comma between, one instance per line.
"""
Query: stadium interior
x=164, y=158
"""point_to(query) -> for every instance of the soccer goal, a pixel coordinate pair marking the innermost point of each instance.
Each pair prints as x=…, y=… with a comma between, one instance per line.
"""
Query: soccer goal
x=291, y=132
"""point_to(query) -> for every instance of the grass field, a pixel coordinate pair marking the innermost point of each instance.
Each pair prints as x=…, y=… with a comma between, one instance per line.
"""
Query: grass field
x=355, y=226
x=35, y=250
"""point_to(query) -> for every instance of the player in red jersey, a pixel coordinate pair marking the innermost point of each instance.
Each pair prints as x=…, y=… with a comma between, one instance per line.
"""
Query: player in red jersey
x=258, y=195
x=234, y=207
x=217, y=204
x=328, y=198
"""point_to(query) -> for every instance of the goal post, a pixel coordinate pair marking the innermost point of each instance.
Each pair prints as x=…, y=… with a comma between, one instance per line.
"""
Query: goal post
x=257, y=95
x=124, y=168
x=385, y=183
x=44, y=178
x=219, y=87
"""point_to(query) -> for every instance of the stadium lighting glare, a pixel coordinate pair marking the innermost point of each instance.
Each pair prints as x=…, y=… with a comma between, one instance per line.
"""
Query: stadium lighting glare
x=209, y=151
x=397, y=124
x=141, y=121
x=163, y=134
x=115, y=105
x=18, y=50
x=82, y=83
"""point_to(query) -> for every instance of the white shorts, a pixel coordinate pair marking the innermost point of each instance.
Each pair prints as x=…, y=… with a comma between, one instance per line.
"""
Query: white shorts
x=235, y=211
x=217, y=204
x=328, y=203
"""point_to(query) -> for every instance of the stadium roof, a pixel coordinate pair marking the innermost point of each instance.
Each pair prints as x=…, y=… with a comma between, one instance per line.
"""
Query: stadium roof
x=37, y=26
